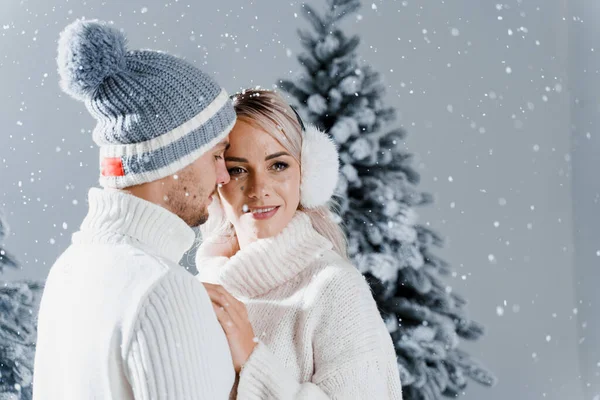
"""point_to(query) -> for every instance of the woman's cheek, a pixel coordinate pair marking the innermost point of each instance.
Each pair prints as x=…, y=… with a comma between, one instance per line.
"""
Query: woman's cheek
x=289, y=184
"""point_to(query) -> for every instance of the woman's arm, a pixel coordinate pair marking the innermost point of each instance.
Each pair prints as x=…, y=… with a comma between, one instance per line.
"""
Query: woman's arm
x=265, y=377
x=353, y=354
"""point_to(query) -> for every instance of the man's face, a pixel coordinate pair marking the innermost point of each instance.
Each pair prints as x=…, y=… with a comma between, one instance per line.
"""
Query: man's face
x=190, y=191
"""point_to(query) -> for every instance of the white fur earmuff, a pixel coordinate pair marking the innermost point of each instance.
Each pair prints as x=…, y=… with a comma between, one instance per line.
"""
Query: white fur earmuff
x=320, y=165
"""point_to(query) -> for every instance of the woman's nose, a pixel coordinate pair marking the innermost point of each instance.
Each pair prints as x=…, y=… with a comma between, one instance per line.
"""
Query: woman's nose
x=257, y=186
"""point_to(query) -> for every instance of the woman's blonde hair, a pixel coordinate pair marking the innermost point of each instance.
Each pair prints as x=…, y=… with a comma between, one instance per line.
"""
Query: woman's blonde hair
x=268, y=111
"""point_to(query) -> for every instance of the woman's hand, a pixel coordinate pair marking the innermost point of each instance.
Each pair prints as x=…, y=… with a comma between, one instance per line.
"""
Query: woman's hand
x=233, y=317
x=218, y=246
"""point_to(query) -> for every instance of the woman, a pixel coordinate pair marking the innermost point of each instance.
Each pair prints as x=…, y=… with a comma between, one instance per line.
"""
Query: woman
x=300, y=319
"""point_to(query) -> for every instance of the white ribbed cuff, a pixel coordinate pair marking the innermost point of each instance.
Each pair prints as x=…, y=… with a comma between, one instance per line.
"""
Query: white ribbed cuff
x=264, y=376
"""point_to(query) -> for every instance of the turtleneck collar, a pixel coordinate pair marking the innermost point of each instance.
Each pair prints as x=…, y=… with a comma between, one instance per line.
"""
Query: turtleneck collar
x=154, y=227
x=270, y=262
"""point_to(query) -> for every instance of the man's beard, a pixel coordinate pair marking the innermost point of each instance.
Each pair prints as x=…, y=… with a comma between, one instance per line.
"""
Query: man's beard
x=191, y=212
x=200, y=219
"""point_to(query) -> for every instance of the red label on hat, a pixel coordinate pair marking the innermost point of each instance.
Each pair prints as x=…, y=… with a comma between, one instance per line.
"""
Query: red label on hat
x=112, y=167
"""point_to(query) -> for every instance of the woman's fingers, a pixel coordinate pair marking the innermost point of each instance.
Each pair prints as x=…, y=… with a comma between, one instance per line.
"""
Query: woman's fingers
x=229, y=305
x=216, y=296
x=219, y=246
x=238, y=305
x=225, y=320
x=232, y=302
x=222, y=297
x=233, y=317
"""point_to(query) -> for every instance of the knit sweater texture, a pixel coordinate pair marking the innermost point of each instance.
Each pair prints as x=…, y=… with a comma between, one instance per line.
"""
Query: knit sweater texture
x=319, y=330
x=120, y=319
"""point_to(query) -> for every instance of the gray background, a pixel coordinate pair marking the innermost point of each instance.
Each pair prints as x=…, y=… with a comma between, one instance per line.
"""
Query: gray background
x=511, y=157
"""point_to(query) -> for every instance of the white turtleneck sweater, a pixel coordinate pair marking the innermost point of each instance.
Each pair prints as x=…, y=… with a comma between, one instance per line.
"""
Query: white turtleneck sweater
x=320, y=333
x=120, y=319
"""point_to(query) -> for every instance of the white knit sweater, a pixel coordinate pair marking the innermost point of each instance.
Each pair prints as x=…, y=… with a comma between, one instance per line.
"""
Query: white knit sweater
x=320, y=333
x=120, y=319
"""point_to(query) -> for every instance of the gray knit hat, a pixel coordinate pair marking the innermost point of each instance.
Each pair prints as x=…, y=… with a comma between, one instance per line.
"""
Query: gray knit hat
x=156, y=113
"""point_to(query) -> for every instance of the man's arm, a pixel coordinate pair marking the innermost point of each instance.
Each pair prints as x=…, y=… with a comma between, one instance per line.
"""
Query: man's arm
x=177, y=349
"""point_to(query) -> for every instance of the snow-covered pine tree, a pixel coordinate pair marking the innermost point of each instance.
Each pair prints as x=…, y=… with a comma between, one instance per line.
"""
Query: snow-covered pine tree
x=377, y=193
x=17, y=330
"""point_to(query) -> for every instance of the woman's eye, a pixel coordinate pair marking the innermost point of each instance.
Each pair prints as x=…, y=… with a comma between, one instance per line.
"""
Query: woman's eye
x=218, y=157
x=235, y=171
x=280, y=166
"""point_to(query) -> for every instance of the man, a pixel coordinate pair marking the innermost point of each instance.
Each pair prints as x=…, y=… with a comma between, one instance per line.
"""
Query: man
x=119, y=318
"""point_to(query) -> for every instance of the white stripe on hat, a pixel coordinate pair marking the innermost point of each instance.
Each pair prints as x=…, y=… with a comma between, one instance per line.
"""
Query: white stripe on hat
x=164, y=140
x=128, y=180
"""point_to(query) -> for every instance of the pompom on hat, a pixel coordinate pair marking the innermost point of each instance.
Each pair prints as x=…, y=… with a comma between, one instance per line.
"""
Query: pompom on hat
x=155, y=113
x=88, y=53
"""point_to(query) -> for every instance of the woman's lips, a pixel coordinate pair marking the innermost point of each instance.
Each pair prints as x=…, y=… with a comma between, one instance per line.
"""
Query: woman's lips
x=262, y=213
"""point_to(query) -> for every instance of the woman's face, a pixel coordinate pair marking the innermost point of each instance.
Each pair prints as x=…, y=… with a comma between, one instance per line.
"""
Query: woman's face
x=264, y=191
